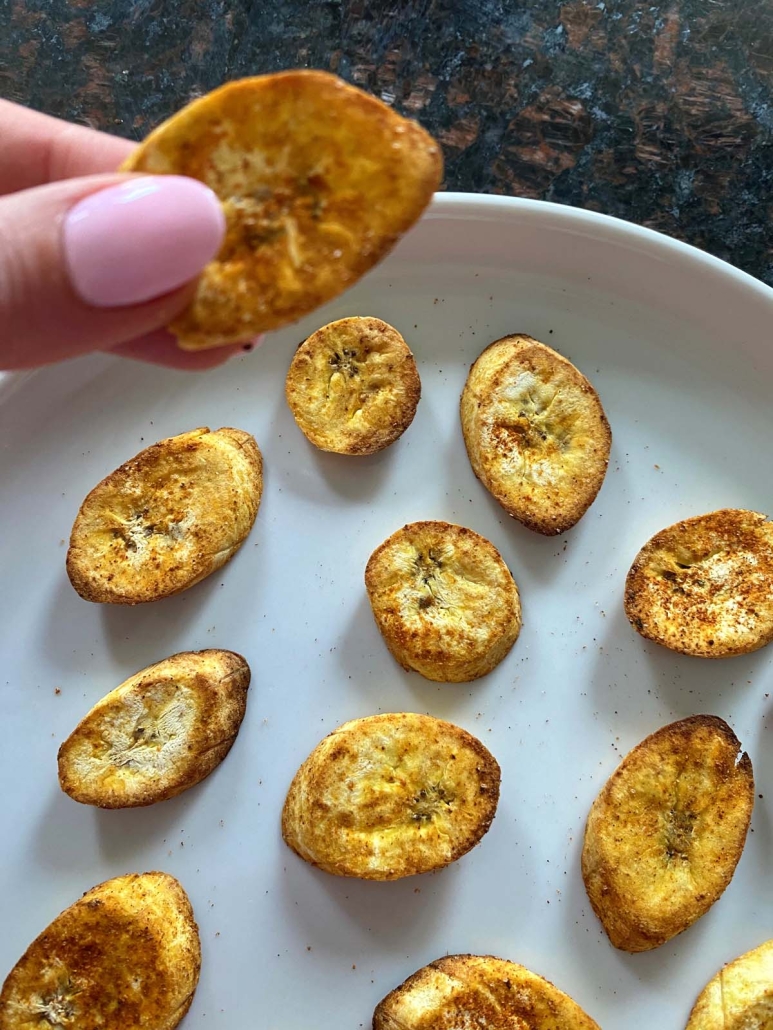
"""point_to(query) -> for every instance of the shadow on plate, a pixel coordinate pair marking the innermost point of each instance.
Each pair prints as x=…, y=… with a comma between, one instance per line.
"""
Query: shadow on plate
x=308, y=470
x=124, y=834
x=343, y=914
x=145, y=633
x=618, y=972
x=527, y=553
x=683, y=684
x=135, y=634
x=364, y=656
x=709, y=683
x=353, y=478
x=755, y=861
x=72, y=629
x=69, y=833
x=65, y=835
x=524, y=552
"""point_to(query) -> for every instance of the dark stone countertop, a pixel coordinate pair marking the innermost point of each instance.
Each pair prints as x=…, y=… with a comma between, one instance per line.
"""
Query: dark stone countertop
x=661, y=113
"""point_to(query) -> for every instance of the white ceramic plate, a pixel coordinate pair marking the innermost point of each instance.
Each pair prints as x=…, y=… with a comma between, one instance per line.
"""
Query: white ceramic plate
x=678, y=345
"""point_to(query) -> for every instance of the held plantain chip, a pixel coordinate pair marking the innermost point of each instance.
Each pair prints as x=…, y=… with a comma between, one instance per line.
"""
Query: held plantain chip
x=318, y=181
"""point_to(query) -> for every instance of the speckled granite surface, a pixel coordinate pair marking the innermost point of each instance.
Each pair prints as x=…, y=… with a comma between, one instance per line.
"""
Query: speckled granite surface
x=661, y=113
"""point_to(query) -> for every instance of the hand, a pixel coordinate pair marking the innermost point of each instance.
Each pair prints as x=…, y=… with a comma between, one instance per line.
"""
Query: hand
x=90, y=259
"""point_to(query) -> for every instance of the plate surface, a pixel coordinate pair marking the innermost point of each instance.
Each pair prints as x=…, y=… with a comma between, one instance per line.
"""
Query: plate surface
x=678, y=346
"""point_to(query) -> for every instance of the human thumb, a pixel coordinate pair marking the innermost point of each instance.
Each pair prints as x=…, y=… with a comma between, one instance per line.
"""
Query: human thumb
x=90, y=263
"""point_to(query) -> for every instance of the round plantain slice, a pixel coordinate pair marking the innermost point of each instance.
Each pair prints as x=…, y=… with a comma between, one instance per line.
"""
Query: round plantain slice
x=391, y=796
x=353, y=386
x=665, y=834
x=704, y=586
x=478, y=991
x=166, y=519
x=536, y=434
x=318, y=181
x=740, y=996
x=165, y=729
x=127, y=954
x=444, y=600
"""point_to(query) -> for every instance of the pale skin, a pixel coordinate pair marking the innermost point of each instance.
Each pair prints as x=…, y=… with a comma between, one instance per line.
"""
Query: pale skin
x=46, y=167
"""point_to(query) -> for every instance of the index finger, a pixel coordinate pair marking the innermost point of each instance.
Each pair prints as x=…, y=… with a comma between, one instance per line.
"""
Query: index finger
x=38, y=149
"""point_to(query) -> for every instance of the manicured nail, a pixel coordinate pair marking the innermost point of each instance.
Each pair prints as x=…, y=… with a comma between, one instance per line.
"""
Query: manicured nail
x=141, y=239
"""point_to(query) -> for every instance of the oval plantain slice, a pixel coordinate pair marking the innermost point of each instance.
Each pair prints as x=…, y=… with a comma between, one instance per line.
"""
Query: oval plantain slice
x=353, y=386
x=478, y=991
x=536, y=434
x=166, y=519
x=127, y=954
x=704, y=586
x=444, y=601
x=318, y=181
x=665, y=834
x=165, y=729
x=390, y=796
x=740, y=996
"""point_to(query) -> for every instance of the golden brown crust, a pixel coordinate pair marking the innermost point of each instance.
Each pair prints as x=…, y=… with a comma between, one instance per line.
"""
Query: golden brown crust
x=704, y=586
x=353, y=386
x=318, y=181
x=167, y=518
x=740, y=996
x=127, y=954
x=478, y=991
x=162, y=731
x=536, y=434
x=391, y=796
x=444, y=601
x=665, y=834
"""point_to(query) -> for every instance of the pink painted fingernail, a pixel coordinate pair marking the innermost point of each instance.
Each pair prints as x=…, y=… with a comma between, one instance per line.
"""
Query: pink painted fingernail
x=141, y=239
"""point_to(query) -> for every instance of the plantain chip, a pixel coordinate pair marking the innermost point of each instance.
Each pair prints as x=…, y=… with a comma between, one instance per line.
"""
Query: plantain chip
x=125, y=955
x=472, y=992
x=391, y=795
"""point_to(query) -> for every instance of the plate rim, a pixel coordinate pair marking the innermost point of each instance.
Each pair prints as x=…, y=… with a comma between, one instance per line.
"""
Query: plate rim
x=618, y=230
x=465, y=206
x=484, y=209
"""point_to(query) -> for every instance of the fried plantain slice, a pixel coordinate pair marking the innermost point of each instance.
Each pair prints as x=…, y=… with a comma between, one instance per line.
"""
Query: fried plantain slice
x=444, y=601
x=166, y=519
x=536, y=434
x=478, y=991
x=665, y=834
x=162, y=731
x=318, y=181
x=740, y=996
x=391, y=796
x=704, y=586
x=353, y=386
x=127, y=954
